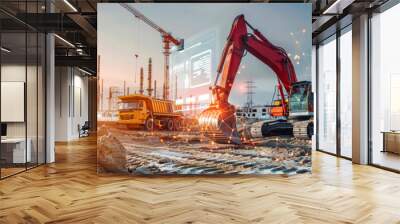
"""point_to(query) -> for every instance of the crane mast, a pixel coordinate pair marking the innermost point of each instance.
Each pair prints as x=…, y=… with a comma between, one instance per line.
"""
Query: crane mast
x=167, y=40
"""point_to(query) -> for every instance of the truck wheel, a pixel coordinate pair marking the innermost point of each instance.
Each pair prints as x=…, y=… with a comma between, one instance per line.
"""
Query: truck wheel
x=170, y=125
x=310, y=130
x=130, y=127
x=149, y=124
x=177, y=125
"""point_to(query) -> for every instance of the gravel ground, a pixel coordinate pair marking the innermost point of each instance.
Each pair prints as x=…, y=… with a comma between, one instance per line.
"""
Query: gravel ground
x=188, y=153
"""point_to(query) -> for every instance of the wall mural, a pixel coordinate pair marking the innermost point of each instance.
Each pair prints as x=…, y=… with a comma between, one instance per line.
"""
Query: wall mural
x=205, y=89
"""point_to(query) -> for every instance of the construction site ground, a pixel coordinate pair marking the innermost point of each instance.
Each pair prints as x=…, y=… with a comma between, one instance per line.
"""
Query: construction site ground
x=189, y=153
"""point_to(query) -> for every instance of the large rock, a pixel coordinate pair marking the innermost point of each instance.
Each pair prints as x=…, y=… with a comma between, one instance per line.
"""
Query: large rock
x=111, y=155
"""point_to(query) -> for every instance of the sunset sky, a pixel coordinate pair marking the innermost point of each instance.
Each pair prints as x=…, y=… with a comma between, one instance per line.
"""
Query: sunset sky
x=121, y=36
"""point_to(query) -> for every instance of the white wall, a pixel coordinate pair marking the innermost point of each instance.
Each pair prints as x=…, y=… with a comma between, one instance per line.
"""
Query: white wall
x=12, y=73
x=80, y=109
x=33, y=127
x=62, y=82
x=71, y=102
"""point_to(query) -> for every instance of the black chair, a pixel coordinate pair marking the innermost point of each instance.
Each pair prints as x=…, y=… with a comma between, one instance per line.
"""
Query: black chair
x=84, y=130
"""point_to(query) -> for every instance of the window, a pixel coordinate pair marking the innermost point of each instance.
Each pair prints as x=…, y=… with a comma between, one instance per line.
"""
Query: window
x=327, y=95
x=329, y=112
x=135, y=105
x=346, y=92
x=385, y=88
x=22, y=65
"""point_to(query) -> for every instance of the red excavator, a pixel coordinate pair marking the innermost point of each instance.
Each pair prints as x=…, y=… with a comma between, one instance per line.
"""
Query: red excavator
x=219, y=122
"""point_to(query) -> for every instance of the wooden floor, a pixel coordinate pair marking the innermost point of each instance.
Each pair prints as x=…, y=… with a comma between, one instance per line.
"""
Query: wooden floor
x=5, y=172
x=386, y=159
x=70, y=191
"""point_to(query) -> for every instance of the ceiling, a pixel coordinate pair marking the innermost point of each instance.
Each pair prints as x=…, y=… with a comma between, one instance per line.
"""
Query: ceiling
x=75, y=22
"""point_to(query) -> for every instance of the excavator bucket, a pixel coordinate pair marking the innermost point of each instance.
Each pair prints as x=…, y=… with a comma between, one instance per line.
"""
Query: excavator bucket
x=219, y=125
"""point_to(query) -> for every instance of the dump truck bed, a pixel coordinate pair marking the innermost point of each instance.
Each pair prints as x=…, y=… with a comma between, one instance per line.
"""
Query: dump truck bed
x=156, y=106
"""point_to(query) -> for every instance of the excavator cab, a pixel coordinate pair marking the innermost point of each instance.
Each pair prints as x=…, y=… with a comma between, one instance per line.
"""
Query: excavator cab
x=301, y=101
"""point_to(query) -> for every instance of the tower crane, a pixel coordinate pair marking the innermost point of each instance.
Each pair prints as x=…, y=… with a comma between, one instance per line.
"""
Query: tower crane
x=167, y=40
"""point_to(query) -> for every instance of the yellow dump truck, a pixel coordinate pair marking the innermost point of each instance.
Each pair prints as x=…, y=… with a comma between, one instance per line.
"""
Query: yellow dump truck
x=140, y=111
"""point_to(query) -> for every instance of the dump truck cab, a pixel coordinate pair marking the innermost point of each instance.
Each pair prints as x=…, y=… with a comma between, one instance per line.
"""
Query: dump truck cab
x=133, y=112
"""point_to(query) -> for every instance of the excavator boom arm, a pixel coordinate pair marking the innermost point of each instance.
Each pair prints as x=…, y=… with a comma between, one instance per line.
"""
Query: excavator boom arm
x=219, y=121
x=239, y=41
